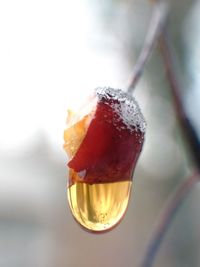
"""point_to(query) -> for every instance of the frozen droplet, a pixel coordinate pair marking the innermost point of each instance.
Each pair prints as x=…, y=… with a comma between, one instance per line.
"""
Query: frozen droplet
x=103, y=160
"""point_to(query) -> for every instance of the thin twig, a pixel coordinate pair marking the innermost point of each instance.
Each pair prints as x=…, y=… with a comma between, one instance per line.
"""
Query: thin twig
x=155, y=31
x=187, y=128
x=193, y=141
x=164, y=222
x=157, y=23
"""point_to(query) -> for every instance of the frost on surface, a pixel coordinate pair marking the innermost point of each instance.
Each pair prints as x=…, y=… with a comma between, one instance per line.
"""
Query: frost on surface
x=125, y=106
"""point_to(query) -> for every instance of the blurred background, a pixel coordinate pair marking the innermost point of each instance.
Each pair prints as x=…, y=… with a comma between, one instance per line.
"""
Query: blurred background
x=52, y=55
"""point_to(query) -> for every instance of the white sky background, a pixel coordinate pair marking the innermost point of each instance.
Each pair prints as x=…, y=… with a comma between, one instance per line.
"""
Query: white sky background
x=52, y=55
x=49, y=61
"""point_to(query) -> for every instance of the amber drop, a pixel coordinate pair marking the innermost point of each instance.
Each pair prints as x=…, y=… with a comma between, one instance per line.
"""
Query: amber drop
x=103, y=148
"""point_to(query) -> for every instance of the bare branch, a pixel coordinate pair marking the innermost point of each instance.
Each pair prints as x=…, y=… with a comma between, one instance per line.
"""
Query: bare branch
x=191, y=137
x=187, y=128
x=157, y=22
x=166, y=218
x=155, y=31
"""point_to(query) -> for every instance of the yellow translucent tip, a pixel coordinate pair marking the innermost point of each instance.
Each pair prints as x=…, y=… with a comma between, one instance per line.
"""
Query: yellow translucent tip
x=99, y=207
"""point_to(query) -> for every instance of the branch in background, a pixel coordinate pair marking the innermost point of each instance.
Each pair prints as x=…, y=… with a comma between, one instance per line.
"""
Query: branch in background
x=155, y=31
x=157, y=23
x=187, y=128
x=169, y=212
x=193, y=141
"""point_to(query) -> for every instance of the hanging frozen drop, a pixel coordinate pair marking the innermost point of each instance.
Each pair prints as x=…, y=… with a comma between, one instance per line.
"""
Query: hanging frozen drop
x=103, y=145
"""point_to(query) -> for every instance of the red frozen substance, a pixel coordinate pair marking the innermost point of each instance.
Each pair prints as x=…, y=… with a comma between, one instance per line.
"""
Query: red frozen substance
x=113, y=141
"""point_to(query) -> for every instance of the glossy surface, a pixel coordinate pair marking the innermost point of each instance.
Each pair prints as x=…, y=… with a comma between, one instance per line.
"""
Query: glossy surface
x=109, y=150
x=99, y=207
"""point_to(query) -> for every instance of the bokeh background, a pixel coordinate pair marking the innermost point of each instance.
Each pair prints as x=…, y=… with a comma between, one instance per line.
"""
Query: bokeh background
x=52, y=55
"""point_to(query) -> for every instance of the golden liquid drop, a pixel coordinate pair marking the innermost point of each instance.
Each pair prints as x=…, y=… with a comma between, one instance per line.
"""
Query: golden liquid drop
x=99, y=207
